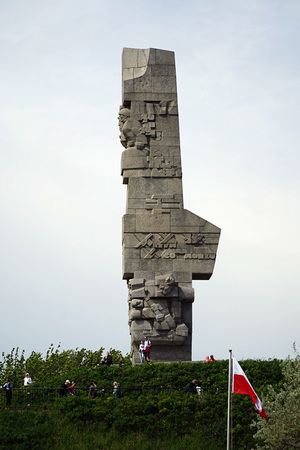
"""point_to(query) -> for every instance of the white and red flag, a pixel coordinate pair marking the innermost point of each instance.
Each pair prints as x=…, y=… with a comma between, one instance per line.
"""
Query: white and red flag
x=241, y=385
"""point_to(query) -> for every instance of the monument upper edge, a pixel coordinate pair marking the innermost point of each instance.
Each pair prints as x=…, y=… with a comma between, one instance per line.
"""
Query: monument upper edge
x=135, y=61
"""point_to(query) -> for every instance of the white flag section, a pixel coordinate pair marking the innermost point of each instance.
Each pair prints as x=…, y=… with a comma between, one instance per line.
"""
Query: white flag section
x=241, y=385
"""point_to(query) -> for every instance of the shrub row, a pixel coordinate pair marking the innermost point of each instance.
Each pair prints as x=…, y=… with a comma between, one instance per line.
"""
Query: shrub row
x=155, y=404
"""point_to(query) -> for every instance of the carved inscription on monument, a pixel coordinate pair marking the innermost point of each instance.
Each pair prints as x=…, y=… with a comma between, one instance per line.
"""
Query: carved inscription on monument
x=165, y=246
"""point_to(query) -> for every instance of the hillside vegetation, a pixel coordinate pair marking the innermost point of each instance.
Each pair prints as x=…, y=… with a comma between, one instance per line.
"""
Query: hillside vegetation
x=155, y=409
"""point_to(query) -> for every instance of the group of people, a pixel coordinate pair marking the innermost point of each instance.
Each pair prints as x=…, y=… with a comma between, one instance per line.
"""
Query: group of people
x=66, y=390
x=8, y=388
x=209, y=358
x=144, y=350
x=69, y=388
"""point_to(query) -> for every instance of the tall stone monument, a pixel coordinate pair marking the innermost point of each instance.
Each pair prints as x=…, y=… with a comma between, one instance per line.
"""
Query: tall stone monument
x=165, y=246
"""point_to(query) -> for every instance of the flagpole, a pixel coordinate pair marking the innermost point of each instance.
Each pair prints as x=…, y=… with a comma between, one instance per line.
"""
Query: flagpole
x=229, y=399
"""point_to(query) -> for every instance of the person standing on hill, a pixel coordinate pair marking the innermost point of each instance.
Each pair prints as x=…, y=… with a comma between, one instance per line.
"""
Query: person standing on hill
x=108, y=359
x=116, y=390
x=64, y=389
x=8, y=391
x=27, y=380
x=92, y=390
x=27, y=383
x=142, y=352
x=147, y=348
x=72, y=388
x=192, y=387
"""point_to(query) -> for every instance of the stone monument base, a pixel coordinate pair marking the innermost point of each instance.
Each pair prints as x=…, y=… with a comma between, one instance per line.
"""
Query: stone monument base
x=166, y=354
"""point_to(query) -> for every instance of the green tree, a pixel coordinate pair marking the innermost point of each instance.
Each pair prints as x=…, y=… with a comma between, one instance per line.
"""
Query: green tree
x=282, y=431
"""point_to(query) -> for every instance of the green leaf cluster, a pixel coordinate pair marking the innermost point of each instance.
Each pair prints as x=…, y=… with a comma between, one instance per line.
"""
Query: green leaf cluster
x=282, y=431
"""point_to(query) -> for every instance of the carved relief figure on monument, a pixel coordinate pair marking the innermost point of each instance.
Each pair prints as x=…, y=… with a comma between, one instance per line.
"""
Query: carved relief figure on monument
x=132, y=132
x=167, y=284
x=157, y=304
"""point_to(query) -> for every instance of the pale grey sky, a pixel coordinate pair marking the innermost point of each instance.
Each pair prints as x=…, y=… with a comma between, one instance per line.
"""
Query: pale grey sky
x=61, y=193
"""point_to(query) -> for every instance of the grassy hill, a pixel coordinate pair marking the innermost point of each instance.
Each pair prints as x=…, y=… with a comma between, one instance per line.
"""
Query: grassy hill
x=155, y=409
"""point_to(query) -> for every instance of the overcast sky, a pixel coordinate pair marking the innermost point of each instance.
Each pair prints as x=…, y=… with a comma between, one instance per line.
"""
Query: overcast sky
x=61, y=193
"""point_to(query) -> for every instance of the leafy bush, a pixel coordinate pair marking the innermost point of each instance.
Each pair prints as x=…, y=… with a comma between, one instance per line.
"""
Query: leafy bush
x=282, y=431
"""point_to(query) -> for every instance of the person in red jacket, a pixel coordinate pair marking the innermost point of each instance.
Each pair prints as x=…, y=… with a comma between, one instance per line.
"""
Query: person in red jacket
x=147, y=347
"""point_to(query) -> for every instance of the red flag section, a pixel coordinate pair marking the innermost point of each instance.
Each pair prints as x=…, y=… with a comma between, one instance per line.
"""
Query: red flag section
x=241, y=385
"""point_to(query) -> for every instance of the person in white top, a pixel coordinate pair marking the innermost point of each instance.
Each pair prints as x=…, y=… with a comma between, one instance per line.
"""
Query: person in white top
x=141, y=352
x=27, y=383
x=27, y=380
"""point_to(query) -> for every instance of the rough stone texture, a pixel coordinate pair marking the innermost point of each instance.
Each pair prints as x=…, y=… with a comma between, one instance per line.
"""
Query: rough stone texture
x=165, y=246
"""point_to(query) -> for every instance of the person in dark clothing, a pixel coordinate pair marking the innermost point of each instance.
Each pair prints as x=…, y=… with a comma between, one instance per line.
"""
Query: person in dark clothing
x=64, y=389
x=116, y=391
x=8, y=392
x=92, y=390
x=108, y=359
x=192, y=387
